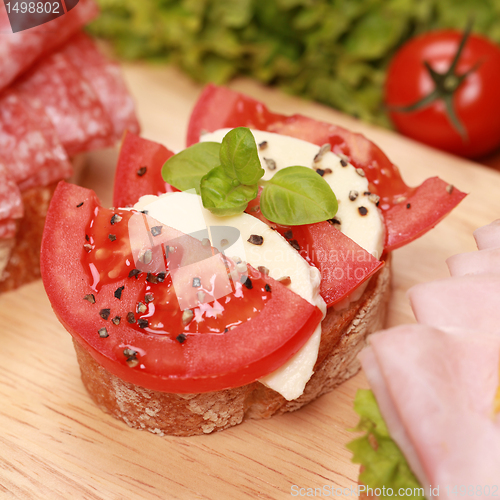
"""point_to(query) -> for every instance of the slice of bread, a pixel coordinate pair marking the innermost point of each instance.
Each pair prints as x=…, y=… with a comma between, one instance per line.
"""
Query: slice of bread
x=23, y=251
x=344, y=335
x=23, y=265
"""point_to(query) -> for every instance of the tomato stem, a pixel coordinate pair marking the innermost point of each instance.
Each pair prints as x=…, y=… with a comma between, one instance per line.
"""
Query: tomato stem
x=445, y=86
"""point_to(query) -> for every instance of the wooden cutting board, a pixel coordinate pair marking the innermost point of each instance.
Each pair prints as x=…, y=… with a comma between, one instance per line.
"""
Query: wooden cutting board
x=55, y=444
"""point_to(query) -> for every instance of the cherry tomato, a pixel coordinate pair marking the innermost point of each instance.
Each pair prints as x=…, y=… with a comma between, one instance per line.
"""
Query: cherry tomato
x=461, y=110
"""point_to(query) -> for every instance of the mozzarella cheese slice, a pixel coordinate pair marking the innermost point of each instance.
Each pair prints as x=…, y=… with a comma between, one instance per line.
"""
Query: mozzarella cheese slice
x=349, y=184
x=184, y=210
x=358, y=218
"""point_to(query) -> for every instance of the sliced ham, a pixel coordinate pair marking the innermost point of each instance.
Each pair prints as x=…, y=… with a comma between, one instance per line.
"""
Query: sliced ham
x=107, y=81
x=483, y=261
x=488, y=236
x=70, y=102
x=21, y=50
x=28, y=142
x=470, y=302
x=436, y=390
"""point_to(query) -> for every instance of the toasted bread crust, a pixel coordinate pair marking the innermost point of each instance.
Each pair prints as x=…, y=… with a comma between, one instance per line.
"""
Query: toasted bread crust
x=24, y=261
x=344, y=335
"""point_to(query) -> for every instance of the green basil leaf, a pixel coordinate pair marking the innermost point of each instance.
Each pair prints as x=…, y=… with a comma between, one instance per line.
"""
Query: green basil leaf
x=296, y=196
x=224, y=196
x=239, y=157
x=185, y=169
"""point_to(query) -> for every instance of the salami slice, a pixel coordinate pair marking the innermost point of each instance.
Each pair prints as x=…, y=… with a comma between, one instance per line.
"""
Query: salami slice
x=28, y=142
x=70, y=102
x=107, y=81
x=19, y=51
x=8, y=228
x=11, y=204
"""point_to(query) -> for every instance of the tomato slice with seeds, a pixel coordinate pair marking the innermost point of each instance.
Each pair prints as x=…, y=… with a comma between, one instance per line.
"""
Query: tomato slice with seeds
x=139, y=170
x=220, y=107
x=343, y=264
x=131, y=323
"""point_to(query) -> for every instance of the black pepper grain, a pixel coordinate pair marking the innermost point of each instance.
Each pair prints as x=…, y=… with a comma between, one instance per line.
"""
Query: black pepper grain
x=156, y=230
x=90, y=298
x=103, y=333
x=245, y=280
x=104, y=313
x=255, y=239
x=134, y=273
x=142, y=323
x=118, y=292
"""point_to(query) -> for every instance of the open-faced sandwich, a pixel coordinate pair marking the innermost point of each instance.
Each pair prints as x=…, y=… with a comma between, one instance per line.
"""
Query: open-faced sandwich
x=59, y=97
x=432, y=418
x=237, y=279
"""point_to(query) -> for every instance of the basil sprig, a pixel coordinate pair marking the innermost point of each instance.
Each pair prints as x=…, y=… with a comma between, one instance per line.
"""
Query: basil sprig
x=227, y=177
x=185, y=169
x=296, y=196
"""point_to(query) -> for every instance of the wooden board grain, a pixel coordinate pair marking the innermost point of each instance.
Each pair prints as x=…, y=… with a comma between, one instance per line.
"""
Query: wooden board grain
x=55, y=444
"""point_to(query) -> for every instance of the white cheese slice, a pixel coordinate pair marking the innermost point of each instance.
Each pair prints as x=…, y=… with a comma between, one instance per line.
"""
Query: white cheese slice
x=275, y=254
x=366, y=230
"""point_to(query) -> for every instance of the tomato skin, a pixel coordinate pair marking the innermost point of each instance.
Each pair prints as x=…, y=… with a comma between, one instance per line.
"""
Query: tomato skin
x=131, y=182
x=476, y=101
x=343, y=264
x=202, y=363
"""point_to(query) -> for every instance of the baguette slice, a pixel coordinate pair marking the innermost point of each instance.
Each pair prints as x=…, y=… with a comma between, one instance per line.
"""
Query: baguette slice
x=344, y=335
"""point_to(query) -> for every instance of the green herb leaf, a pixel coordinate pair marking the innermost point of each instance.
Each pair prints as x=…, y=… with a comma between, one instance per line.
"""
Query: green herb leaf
x=296, y=196
x=224, y=196
x=239, y=157
x=185, y=169
x=384, y=464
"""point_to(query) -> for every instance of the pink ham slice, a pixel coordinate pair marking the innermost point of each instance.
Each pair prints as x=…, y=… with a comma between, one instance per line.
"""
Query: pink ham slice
x=470, y=302
x=435, y=391
x=107, y=81
x=488, y=236
x=29, y=146
x=70, y=102
x=483, y=261
x=21, y=50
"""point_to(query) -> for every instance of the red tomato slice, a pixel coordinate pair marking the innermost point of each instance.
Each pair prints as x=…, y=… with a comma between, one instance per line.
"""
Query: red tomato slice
x=139, y=170
x=343, y=264
x=203, y=361
x=219, y=107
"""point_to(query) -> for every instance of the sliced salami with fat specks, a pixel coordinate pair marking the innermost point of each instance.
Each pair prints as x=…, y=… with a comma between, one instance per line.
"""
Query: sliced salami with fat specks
x=21, y=50
x=11, y=204
x=29, y=145
x=107, y=81
x=8, y=229
x=70, y=102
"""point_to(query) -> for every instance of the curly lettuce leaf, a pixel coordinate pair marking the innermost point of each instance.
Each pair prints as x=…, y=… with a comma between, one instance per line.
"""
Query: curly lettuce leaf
x=333, y=51
x=382, y=462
